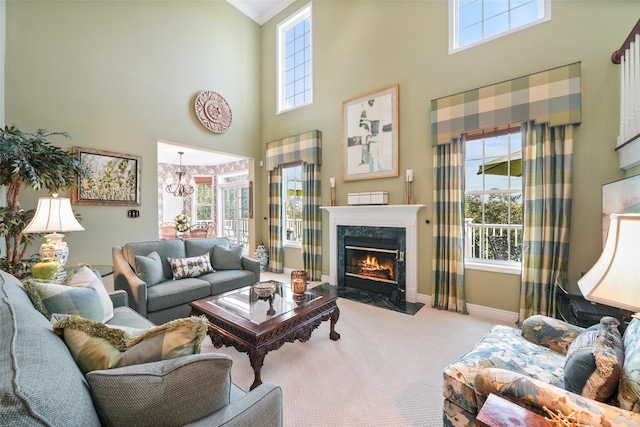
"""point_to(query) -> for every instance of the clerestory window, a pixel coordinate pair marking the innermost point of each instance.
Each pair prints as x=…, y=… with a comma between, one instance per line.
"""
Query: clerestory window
x=294, y=72
x=472, y=22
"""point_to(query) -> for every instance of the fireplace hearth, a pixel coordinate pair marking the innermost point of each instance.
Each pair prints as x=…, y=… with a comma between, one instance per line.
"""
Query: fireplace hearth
x=373, y=263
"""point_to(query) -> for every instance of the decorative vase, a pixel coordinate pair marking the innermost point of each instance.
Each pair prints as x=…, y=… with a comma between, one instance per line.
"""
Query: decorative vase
x=299, y=283
x=262, y=255
x=47, y=269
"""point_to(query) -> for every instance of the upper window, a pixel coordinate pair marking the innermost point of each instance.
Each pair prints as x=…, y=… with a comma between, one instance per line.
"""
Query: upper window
x=292, y=204
x=294, y=60
x=493, y=196
x=472, y=22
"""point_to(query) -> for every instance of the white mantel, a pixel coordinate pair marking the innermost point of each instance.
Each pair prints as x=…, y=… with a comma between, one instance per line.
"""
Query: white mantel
x=401, y=216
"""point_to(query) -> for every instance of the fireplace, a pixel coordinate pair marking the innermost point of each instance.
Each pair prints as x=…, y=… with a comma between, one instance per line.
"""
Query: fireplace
x=373, y=259
x=388, y=222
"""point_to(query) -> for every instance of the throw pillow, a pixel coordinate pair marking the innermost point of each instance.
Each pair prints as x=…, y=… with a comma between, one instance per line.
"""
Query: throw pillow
x=149, y=268
x=594, y=361
x=190, y=267
x=227, y=258
x=96, y=346
x=162, y=393
x=81, y=292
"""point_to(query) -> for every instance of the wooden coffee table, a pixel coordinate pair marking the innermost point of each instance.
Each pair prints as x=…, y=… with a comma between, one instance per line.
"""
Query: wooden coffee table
x=256, y=326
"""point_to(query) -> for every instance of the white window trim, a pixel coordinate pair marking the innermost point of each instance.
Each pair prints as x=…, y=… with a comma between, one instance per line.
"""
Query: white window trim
x=453, y=27
x=302, y=14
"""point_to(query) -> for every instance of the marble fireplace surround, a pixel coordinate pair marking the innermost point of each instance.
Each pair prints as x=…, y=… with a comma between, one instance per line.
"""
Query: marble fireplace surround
x=401, y=216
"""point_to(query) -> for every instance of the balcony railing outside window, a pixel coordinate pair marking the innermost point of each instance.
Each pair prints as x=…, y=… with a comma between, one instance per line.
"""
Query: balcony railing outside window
x=477, y=242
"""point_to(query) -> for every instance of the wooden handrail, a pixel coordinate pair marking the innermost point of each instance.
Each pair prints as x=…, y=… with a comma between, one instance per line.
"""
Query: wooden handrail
x=617, y=55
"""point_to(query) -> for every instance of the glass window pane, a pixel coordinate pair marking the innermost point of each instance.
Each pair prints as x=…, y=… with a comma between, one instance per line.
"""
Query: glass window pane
x=471, y=34
x=495, y=7
x=496, y=25
x=524, y=14
x=470, y=14
x=299, y=73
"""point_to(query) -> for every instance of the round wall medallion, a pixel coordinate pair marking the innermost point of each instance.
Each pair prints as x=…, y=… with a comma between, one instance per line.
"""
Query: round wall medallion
x=213, y=111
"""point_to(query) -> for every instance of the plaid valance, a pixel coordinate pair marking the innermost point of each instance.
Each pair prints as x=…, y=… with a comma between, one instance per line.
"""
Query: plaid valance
x=306, y=147
x=551, y=96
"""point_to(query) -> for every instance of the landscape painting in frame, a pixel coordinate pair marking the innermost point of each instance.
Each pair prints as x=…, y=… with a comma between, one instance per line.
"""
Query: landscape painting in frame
x=622, y=196
x=370, y=135
x=114, y=179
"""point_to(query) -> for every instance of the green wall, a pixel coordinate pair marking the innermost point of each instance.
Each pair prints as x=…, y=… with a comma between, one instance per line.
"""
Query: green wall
x=361, y=46
x=120, y=75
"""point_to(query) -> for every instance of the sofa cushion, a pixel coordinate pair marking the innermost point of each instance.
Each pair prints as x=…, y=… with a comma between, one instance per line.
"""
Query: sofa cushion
x=503, y=347
x=171, y=293
x=594, y=361
x=82, y=292
x=157, y=394
x=95, y=346
x=195, y=247
x=190, y=267
x=39, y=381
x=629, y=388
x=227, y=280
x=227, y=258
x=173, y=248
x=149, y=268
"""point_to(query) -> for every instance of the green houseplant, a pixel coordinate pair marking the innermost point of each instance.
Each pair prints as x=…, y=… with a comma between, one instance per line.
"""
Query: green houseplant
x=29, y=160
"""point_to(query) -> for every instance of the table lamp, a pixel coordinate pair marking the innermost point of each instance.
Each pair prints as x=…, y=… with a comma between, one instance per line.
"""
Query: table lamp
x=53, y=216
x=613, y=279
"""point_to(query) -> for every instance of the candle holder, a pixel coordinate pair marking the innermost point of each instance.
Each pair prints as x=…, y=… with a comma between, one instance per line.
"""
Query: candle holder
x=332, y=184
x=299, y=283
x=408, y=193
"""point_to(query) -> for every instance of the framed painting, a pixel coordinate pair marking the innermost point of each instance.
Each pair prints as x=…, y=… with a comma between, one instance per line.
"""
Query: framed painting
x=370, y=135
x=622, y=196
x=114, y=179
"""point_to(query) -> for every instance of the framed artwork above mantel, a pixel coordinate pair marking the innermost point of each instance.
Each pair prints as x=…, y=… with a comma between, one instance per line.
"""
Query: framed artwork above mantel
x=370, y=135
x=114, y=179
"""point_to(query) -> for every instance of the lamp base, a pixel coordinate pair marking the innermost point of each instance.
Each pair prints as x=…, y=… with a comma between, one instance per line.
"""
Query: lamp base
x=54, y=248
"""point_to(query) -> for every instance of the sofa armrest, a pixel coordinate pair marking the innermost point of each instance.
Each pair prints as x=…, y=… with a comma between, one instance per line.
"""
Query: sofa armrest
x=119, y=298
x=252, y=265
x=534, y=394
x=549, y=332
x=124, y=278
x=261, y=406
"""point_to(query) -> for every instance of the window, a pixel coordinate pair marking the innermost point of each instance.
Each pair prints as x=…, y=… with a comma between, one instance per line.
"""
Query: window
x=493, y=196
x=294, y=60
x=472, y=22
x=292, y=205
x=203, y=200
x=233, y=196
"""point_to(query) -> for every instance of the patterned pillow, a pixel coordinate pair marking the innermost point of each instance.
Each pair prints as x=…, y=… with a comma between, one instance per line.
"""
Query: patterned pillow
x=81, y=292
x=190, y=267
x=96, y=346
x=594, y=361
x=149, y=268
x=227, y=258
x=629, y=390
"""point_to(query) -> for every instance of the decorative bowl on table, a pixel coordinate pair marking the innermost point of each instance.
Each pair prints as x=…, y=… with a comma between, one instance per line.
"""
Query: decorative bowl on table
x=264, y=289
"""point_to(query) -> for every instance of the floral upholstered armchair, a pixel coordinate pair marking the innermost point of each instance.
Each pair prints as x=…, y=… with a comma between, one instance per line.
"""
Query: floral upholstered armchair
x=593, y=372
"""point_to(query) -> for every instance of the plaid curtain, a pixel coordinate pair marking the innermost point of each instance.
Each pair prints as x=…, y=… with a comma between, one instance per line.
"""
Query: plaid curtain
x=448, y=227
x=311, y=221
x=275, y=214
x=547, y=179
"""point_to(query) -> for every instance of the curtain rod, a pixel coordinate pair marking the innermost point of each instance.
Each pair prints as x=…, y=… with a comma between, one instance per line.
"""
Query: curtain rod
x=618, y=54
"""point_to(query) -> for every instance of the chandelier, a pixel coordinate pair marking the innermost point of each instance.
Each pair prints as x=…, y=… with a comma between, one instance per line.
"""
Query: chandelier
x=180, y=188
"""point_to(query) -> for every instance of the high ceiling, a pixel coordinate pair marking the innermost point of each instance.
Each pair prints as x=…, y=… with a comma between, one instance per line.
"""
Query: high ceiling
x=260, y=10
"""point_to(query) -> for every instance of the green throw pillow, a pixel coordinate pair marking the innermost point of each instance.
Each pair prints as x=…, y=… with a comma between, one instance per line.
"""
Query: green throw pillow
x=227, y=258
x=594, y=361
x=96, y=346
x=149, y=268
x=190, y=267
x=81, y=292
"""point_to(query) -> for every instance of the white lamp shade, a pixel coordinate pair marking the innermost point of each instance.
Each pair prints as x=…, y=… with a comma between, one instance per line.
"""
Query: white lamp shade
x=53, y=214
x=615, y=278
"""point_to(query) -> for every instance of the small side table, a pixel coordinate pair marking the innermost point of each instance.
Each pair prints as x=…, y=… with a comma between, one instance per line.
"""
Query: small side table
x=499, y=412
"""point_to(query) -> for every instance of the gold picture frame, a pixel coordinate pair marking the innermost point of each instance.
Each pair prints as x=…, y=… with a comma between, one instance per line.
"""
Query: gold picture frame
x=114, y=179
x=370, y=135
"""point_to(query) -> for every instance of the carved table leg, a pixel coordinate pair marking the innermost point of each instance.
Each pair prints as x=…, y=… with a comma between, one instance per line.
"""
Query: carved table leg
x=335, y=315
x=256, y=357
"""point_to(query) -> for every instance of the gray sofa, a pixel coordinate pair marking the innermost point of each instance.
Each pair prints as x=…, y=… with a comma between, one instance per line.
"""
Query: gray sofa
x=40, y=383
x=169, y=299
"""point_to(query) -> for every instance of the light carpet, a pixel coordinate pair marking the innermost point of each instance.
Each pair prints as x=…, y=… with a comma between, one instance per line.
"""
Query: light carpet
x=385, y=370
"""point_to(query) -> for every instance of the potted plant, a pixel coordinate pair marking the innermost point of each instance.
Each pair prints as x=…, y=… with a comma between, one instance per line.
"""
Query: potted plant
x=29, y=160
